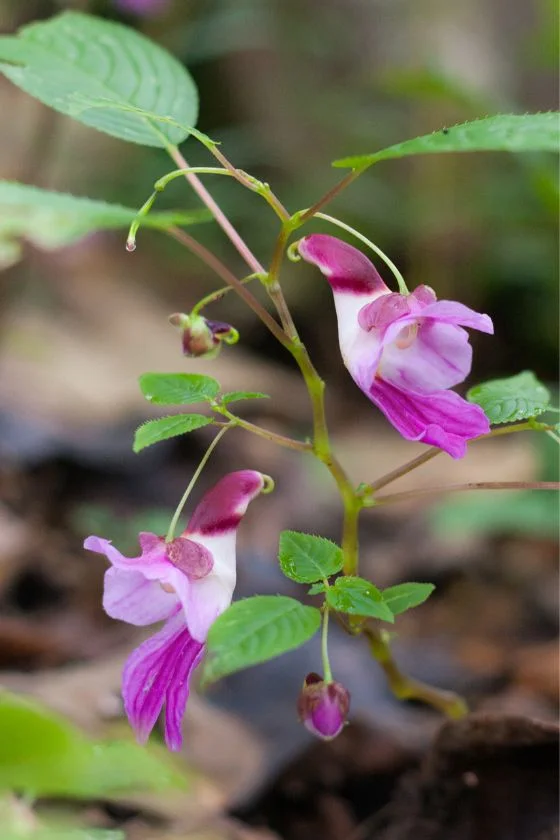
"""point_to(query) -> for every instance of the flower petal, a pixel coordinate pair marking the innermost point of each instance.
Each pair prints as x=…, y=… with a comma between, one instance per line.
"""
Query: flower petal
x=209, y=598
x=438, y=357
x=384, y=310
x=152, y=562
x=347, y=269
x=222, y=508
x=441, y=419
x=159, y=671
x=451, y=312
x=129, y=596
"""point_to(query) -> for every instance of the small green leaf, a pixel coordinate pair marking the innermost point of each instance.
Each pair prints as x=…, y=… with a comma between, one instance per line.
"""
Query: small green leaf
x=316, y=589
x=501, y=133
x=167, y=427
x=51, y=220
x=234, y=396
x=178, y=388
x=404, y=596
x=105, y=75
x=357, y=596
x=255, y=630
x=306, y=558
x=41, y=754
x=515, y=398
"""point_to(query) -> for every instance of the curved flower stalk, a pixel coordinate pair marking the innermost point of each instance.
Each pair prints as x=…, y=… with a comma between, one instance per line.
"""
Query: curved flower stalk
x=187, y=583
x=404, y=351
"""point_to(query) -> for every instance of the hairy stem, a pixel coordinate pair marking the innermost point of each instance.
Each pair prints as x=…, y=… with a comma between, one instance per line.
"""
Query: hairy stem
x=406, y=688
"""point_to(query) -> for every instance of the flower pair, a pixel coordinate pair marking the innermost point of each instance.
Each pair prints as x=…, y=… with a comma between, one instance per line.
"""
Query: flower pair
x=187, y=583
x=404, y=351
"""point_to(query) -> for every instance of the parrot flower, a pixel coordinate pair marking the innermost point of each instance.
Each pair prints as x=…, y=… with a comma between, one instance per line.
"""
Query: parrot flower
x=187, y=582
x=404, y=351
x=323, y=707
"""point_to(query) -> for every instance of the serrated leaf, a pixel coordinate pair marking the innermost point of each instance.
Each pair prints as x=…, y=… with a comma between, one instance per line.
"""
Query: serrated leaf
x=104, y=75
x=234, y=396
x=404, y=596
x=167, y=427
x=316, y=589
x=357, y=596
x=178, y=388
x=41, y=754
x=51, y=219
x=501, y=133
x=306, y=558
x=255, y=630
x=515, y=398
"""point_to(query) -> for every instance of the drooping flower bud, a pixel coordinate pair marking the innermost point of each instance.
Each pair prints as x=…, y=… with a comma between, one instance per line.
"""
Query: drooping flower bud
x=323, y=706
x=203, y=338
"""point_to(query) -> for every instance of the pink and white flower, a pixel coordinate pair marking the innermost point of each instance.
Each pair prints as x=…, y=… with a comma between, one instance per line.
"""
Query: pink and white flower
x=404, y=351
x=187, y=583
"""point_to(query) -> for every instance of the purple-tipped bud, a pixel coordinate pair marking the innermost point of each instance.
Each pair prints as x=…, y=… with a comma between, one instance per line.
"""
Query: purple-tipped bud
x=203, y=338
x=323, y=707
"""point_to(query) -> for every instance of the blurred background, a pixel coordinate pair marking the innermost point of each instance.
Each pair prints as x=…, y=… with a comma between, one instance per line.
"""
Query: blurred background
x=286, y=87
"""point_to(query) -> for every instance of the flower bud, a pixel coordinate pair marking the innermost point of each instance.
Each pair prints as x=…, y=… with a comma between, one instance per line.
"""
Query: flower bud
x=323, y=706
x=202, y=338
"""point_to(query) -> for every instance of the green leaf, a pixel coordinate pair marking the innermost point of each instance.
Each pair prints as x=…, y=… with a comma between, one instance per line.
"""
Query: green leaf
x=357, y=596
x=234, y=396
x=502, y=133
x=41, y=754
x=51, y=219
x=306, y=558
x=404, y=596
x=515, y=398
x=105, y=75
x=255, y=630
x=167, y=427
x=178, y=388
x=317, y=589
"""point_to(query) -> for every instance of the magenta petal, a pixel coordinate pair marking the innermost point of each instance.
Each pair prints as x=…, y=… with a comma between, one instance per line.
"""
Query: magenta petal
x=383, y=311
x=347, y=269
x=451, y=312
x=129, y=596
x=222, y=508
x=158, y=672
x=441, y=419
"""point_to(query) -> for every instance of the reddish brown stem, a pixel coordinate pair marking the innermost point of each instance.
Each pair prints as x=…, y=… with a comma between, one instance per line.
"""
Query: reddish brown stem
x=471, y=485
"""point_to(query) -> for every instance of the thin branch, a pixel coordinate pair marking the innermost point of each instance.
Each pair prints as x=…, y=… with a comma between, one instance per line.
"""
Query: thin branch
x=471, y=485
x=218, y=214
x=328, y=197
x=228, y=277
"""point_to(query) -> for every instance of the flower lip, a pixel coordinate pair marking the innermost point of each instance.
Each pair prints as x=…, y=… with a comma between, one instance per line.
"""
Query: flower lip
x=191, y=558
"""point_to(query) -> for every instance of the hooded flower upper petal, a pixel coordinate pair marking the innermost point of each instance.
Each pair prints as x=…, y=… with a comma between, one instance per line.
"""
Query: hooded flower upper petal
x=403, y=351
x=189, y=581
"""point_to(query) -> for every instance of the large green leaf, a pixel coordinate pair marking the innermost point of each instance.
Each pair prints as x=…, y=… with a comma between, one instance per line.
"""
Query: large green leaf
x=153, y=431
x=105, y=75
x=255, y=630
x=178, y=388
x=502, y=133
x=515, y=398
x=404, y=596
x=52, y=219
x=307, y=558
x=357, y=596
x=43, y=755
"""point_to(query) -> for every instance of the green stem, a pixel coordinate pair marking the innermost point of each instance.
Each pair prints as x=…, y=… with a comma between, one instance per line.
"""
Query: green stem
x=460, y=488
x=213, y=297
x=162, y=182
x=403, y=288
x=327, y=672
x=173, y=524
x=273, y=437
x=406, y=688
